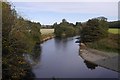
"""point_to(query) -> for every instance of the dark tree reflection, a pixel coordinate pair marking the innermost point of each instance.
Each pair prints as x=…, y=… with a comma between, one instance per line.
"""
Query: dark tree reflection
x=36, y=54
x=90, y=65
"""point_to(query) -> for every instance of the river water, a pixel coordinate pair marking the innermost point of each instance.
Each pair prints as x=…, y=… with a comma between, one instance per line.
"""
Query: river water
x=60, y=58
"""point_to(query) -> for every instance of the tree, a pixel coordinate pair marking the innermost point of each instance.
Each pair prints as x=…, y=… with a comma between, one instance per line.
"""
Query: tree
x=7, y=23
x=102, y=18
x=64, y=20
x=35, y=31
x=78, y=24
x=78, y=27
x=64, y=29
x=95, y=29
x=114, y=24
x=16, y=40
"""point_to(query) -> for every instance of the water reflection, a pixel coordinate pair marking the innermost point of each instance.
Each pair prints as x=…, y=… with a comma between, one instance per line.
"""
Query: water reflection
x=61, y=43
x=35, y=56
x=90, y=65
x=60, y=59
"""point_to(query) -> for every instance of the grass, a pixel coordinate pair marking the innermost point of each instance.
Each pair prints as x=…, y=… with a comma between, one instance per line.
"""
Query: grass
x=114, y=30
x=109, y=44
x=46, y=35
x=47, y=31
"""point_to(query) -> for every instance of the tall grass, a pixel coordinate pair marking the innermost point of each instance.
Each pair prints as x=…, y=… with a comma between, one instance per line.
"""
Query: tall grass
x=109, y=44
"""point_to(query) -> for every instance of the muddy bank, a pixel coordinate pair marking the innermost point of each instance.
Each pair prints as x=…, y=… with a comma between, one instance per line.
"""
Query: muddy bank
x=103, y=59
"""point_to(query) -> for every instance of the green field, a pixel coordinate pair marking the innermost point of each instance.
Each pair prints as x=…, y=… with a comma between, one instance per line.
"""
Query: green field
x=114, y=31
x=47, y=31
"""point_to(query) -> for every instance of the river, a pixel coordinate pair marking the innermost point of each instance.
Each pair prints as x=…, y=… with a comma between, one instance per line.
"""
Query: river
x=60, y=58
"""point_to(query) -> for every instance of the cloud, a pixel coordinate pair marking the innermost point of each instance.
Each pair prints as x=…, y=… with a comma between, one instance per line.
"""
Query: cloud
x=104, y=8
x=43, y=11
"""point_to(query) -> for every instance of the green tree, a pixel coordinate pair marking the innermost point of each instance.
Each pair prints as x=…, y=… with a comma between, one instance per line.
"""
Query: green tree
x=7, y=23
x=78, y=27
x=35, y=31
x=95, y=29
x=114, y=24
x=64, y=29
x=64, y=20
x=19, y=37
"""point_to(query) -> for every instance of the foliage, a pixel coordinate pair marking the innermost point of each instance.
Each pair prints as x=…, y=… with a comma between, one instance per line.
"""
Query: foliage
x=35, y=32
x=109, y=44
x=65, y=29
x=95, y=34
x=114, y=24
x=19, y=37
x=95, y=29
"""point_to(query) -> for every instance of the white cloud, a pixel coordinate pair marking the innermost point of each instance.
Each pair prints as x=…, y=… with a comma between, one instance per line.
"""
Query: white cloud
x=80, y=11
x=103, y=8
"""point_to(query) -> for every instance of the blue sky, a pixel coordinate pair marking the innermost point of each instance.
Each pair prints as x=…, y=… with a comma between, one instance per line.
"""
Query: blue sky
x=51, y=12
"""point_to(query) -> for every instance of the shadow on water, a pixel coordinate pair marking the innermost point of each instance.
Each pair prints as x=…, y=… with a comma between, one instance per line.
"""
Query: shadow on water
x=34, y=57
x=90, y=65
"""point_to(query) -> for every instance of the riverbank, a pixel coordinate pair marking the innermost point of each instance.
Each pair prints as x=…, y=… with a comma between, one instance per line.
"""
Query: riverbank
x=45, y=37
x=105, y=59
x=46, y=34
x=108, y=44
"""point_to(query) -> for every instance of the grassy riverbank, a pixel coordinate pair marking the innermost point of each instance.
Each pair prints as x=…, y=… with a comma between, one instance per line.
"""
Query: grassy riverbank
x=104, y=52
x=109, y=44
x=46, y=34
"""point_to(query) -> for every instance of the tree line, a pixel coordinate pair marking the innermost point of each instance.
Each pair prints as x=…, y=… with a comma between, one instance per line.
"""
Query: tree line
x=114, y=24
x=20, y=36
x=92, y=30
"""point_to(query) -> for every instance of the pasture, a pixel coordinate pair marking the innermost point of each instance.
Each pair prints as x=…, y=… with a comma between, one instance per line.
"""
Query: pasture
x=47, y=31
x=114, y=30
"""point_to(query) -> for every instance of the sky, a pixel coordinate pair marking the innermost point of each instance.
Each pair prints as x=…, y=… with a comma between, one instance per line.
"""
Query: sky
x=47, y=13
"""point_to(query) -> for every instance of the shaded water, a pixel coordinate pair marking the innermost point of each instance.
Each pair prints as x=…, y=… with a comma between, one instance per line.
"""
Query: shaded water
x=60, y=59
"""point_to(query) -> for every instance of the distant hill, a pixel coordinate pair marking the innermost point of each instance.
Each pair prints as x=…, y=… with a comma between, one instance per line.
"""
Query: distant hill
x=114, y=24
